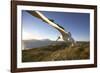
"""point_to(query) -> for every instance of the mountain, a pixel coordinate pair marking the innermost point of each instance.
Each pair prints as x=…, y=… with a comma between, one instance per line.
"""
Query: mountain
x=28, y=44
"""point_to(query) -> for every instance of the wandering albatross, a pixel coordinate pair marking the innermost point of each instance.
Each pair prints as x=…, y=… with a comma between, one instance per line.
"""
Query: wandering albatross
x=66, y=36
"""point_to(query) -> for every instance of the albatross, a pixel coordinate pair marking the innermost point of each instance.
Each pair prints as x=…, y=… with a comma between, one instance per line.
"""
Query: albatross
x=66, y=36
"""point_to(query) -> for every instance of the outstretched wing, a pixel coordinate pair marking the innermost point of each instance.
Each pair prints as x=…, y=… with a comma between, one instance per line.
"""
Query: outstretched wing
x=40, y=16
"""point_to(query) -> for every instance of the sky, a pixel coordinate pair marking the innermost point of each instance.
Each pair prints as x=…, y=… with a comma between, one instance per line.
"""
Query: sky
x=78, y=24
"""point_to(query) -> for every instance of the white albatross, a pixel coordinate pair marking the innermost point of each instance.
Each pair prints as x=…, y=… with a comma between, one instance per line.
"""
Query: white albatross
x=66, y=36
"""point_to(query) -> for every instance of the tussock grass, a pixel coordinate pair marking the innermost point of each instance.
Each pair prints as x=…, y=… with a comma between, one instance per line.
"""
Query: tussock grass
x=57, y=53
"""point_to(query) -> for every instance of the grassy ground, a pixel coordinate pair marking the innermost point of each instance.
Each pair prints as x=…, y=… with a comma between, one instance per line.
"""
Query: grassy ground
x=57, y=52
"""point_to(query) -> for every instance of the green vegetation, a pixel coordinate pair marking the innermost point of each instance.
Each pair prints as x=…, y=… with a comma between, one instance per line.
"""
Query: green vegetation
x=57, y=52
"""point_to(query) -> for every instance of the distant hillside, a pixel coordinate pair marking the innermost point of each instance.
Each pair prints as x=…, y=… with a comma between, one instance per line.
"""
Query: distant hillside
x=57, y=52
x=28, y=44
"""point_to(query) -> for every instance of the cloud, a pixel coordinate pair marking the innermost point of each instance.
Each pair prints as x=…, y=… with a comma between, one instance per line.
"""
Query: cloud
x=27, y=36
